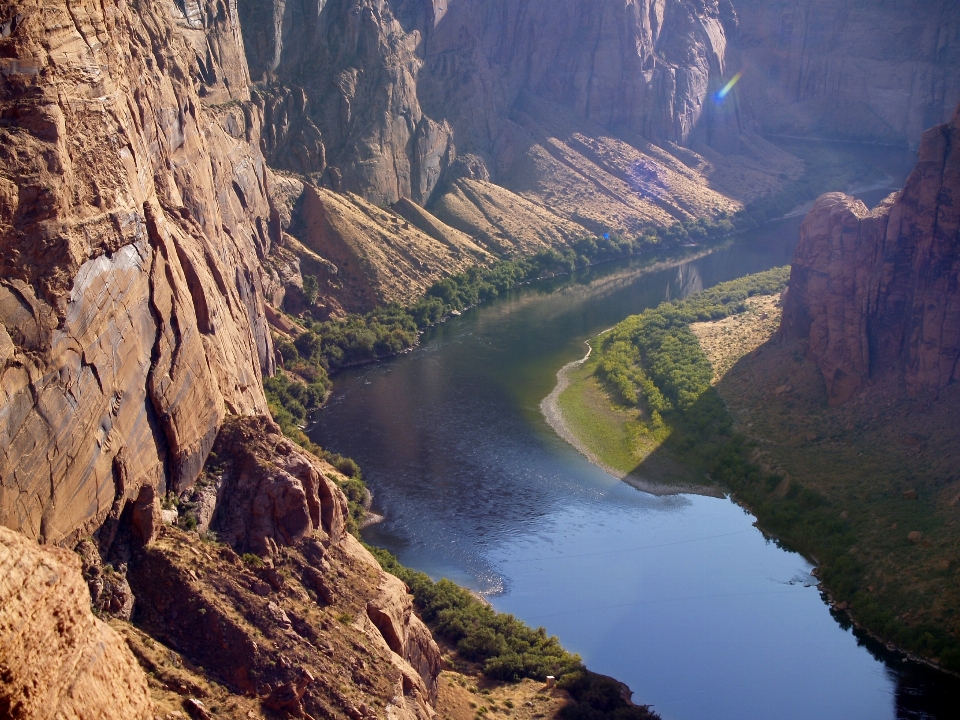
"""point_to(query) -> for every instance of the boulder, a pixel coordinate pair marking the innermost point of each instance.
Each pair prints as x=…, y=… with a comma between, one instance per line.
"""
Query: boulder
x=57, y=660
x=274, y=493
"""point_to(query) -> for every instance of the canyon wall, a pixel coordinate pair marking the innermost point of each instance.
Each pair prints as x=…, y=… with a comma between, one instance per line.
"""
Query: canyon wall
x=880, y=71
x=141, y=230
x=134, y=217
x=378, y=97
x=877, y=292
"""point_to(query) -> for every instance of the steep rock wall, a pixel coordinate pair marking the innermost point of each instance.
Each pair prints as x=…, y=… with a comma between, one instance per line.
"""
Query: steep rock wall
x=375, y=96
x=878, y=292
x=880, y=71
x=647, y=66
x=133, y=218
x=339, y=92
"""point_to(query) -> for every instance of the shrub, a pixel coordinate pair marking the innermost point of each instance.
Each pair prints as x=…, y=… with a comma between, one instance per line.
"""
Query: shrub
x=252, y=560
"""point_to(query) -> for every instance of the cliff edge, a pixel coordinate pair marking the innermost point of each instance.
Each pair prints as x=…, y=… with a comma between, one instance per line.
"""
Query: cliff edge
x=877, y=292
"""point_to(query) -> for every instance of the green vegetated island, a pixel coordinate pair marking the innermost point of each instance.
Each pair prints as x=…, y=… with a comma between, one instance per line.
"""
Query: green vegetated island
x=698, y=395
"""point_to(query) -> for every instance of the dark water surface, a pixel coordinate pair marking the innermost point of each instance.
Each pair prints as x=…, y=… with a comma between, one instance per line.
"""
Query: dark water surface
x=680, y=597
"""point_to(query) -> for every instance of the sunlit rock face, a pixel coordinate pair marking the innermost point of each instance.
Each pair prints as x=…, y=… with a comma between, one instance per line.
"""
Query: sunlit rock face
x=134, y=216
x=880, y=71
x=875, y=292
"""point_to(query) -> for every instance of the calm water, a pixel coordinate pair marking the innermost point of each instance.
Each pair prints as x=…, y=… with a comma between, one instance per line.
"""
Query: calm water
x=679, y=597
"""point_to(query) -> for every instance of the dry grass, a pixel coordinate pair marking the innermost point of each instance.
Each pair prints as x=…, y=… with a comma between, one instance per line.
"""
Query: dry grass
x=726, y=341
x=467, y=696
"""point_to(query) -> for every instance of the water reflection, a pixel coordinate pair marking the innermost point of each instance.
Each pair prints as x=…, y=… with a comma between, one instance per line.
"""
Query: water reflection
x=680, y=597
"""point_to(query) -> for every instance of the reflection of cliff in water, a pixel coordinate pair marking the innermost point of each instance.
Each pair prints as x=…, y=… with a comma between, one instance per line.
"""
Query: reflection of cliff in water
x=686, y=282
x=922, y=691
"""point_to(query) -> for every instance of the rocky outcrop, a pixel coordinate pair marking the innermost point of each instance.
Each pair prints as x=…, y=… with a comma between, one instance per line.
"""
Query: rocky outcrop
x=876, y=292
x=876, y=71
x=406, y=635
x=56, y=659
x=306, y=620
x=134, y=215
x=271, y=493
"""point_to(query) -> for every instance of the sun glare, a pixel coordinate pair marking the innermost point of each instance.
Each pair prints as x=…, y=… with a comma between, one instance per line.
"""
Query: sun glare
x=725, y=90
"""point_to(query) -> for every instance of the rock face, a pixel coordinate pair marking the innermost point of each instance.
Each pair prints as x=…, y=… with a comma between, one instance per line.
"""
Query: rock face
x=340, y=97
x=271, y=492
x=647, y=66
x=881, y=71
x=876, y=292
x=265, y=626
x=56, y=658
x=134, y=214
x=377, y=97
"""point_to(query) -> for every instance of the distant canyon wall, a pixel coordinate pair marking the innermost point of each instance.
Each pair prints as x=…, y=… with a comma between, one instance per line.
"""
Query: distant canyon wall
x=879, y=71
x=877, y=293
x=378, y=97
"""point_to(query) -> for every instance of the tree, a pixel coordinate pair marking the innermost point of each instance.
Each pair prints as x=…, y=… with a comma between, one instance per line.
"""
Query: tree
x=311, y=289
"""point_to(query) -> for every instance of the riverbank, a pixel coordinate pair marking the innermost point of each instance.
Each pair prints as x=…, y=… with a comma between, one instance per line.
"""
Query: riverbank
x=554, y=414
x=868, y=490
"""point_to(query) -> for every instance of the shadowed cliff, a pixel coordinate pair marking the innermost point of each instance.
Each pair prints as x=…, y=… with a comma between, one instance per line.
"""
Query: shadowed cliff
x=876, y=292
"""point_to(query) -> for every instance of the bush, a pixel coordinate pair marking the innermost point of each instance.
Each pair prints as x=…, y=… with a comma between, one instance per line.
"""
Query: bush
x=657, y=348
x=509, y=649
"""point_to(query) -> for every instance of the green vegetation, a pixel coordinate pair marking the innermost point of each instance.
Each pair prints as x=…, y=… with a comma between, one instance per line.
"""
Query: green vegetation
x=329, y=346
x=507, y=648
x=653, y=363
x=615, y=433
x=252, y=560
x=290, y=401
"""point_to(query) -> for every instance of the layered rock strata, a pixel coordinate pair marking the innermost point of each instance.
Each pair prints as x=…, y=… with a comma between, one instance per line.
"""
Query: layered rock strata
x=134, y=216
x=877, y=292
x=647, y=66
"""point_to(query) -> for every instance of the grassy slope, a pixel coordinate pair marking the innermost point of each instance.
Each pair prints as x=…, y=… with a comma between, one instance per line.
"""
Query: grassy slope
x=885, y=466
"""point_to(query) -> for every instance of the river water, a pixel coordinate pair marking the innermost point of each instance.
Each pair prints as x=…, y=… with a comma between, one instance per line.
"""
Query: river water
x=680, y=597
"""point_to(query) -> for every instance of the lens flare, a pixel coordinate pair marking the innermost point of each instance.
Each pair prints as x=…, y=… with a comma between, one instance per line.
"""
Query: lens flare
x=725, y=90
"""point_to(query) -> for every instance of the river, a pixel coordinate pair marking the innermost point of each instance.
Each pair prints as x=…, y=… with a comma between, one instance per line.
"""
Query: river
x=680, y=597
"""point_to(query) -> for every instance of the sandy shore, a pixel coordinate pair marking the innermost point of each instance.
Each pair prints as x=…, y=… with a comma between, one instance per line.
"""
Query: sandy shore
x=550, y=407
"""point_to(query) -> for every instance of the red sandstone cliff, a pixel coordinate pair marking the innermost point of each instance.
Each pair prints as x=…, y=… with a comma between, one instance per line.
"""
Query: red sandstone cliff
x=878, y=292
x=133, y=219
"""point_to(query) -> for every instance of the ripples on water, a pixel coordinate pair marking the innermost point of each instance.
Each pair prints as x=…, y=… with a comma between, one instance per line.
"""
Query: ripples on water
x=680, y=597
